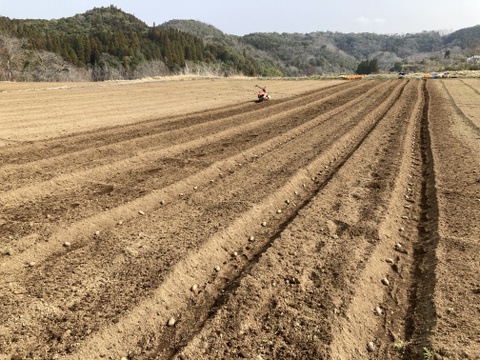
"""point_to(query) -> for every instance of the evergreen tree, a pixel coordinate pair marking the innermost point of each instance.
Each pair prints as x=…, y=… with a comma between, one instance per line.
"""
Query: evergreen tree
x=367, y=67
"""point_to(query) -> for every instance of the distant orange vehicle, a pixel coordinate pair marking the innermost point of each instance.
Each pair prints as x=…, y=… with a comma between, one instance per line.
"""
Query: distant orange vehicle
x=353, y=77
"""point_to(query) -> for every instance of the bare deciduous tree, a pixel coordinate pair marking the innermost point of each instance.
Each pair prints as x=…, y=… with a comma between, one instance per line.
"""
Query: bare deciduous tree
x=11, y=56
x=47, y=66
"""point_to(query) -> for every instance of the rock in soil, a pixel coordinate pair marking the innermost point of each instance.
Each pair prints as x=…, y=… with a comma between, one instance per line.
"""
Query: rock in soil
x=171, y=321
x=370, y=346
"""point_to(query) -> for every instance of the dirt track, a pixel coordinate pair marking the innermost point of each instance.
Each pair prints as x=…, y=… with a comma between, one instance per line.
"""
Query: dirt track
x=261, y=230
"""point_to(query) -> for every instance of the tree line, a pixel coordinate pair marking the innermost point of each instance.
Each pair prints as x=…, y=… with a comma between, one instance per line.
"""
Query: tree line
x=106, y=40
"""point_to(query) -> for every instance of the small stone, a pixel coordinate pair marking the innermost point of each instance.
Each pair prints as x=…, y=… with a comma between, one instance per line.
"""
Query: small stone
x=129, y=251
x=141, y=212
x=217, y=268
x=398, y=247
x=378, y=310
x=120, y=222
x=390, y=261
x=402, y=229
x=279, y=211
x=385, y=282
x=235, y=254
x=171, y=321
x=194, y=288
x=195, y=187
x=162, y=202
x=264, y=223
x=32, y=263
x=287, y=202
x=97, y=233
x=67, y=244
x=251, y=238
x=370, y=346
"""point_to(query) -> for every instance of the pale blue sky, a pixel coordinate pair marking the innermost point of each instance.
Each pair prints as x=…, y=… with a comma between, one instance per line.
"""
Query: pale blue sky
x=246, y=16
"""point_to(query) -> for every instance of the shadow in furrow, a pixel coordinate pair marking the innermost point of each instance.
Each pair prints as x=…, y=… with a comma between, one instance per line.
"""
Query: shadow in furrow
x=421, y=316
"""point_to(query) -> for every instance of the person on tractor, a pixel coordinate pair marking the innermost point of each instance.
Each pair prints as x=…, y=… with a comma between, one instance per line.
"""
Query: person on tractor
x=262, y=94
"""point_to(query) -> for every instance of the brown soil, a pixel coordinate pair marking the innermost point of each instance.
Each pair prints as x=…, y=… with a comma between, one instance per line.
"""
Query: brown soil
x=339, y=224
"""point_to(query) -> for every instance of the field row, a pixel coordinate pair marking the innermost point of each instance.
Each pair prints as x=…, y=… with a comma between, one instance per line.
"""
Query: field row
x=308, y=226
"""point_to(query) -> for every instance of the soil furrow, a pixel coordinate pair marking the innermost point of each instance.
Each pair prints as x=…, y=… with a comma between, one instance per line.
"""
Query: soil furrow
x=327, y=225
x=421, y=316
x=115, y=188
x=96, y=156
x=206, y=312
x=213, y=289
x=271, y=311
x=97, y=243
x=475, y=90
x=455, y=299
x=460, y=112
x=144, y=130
x=376, y=312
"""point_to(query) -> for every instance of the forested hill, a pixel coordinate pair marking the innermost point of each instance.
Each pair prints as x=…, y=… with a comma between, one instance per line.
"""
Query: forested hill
x=107, y=43
x=327, y=52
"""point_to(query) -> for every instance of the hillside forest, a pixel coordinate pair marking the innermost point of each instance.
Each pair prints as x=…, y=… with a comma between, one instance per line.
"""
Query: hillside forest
x=109, y=44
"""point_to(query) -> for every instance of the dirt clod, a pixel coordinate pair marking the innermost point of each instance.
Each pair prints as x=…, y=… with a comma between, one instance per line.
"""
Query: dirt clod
x=371, y=346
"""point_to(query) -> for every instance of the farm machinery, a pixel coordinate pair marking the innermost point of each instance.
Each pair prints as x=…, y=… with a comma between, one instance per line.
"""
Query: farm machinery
x=262, y=94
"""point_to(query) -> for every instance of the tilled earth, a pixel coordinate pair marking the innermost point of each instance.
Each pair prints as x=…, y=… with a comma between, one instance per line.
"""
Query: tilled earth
x=340, y=224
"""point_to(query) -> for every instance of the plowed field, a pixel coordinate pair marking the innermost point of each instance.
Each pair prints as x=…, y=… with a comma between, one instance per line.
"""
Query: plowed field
x=182, y=220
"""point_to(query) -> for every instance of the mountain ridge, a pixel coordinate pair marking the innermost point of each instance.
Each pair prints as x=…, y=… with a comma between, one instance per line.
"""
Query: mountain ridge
x=108, y=43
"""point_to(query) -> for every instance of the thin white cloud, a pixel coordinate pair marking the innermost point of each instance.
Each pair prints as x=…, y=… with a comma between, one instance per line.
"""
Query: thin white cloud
x=362, y=20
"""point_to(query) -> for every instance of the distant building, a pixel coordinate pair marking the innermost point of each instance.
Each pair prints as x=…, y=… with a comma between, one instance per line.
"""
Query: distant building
x=474, y=58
